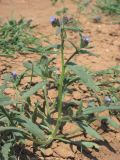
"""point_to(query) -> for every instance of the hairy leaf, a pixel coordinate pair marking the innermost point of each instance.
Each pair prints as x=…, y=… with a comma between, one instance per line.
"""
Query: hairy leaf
x=75, y=29
x=109, y=121
x=5, y=100
x=84, y=76
x=99, y=109
x=89, y=144
x=33, y=90
x=88, y=129
x=5, y=150
x=12, y=129
x=31, y=127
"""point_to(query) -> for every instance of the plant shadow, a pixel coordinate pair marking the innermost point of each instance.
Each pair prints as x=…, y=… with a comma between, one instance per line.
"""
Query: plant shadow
x=87, y=153
x=107, y=145
x=25, y=154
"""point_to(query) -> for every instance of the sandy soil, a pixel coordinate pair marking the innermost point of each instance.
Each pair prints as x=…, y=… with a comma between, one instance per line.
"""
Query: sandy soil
x=105, y=37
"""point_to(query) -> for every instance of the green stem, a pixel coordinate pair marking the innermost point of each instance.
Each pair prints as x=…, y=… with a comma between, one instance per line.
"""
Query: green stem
x=16, y=95
x=60, y=88
x=31, y=76
x=46, y=100
x=70, y=57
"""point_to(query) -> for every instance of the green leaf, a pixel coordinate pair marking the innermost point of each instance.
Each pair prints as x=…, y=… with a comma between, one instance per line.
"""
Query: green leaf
x=36, y=69
x=84, y=76
x=75, y=29
x=4, y=120
x=111, y=70
x=104, y=72
x=89, y=144
x=7, y=78
x=5, y=100
x=88, y=130
x=13, y=157
x=34, y=115
x=61, y=11
x=109, y=121
x=3, y=87
x=80, y=108
x=41, y=68
x=19, y=79
x=31, y=127
x=5, y=150
x=12, y=129
x=86, y=52
x=99, y=109
x=33, y=90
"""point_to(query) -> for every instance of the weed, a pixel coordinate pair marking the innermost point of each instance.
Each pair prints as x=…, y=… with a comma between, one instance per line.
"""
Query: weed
x=110, y=86
x=22, y=118
x=109, y=6
x=19, y=37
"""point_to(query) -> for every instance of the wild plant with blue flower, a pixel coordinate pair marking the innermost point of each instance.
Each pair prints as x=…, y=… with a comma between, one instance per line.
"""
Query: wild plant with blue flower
x=42, y=119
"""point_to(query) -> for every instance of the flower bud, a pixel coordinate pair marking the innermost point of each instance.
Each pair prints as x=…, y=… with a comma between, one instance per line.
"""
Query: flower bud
x=65, y=19
x=107, y=100
x=54, y=21
x=14, y=74
x=85, y=41
x=97, y=19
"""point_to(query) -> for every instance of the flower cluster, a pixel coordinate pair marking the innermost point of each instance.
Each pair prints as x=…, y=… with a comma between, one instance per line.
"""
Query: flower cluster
x=55, y=22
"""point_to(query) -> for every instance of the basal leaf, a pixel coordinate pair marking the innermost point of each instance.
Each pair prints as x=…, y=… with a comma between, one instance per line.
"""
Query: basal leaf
x=31, y=127
x=5, y=150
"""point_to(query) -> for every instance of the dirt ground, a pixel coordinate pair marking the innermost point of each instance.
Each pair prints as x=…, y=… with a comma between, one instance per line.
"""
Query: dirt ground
x=105, y=37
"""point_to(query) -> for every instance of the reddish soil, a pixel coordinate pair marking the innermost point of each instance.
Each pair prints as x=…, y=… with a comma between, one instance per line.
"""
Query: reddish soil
x=105, y=37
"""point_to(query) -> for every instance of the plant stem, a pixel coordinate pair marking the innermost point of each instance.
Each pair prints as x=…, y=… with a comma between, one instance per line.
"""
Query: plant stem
x=71, y=57
x=31, y=75
x=46, y=100
x=60, y=87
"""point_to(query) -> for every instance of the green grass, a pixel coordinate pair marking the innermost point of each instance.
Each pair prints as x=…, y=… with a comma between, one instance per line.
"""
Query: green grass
x=106, y=7
x=111, y=7
x=17, y=37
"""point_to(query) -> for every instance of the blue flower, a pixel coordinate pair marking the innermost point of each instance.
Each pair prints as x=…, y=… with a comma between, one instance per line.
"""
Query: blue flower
x=14, y=74
x=54, y=21
x=107, y=100
x=97, y=19
x=85, y=41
